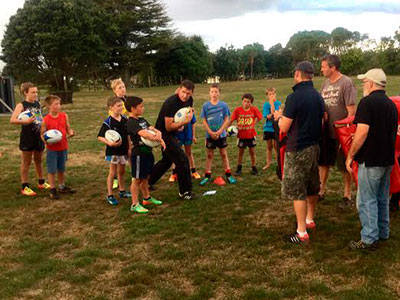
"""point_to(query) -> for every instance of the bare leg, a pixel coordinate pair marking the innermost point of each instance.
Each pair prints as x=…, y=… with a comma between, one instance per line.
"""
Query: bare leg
x=252, y=152
x=38, y=160
x=61, y=178
x=269, y=154
x=144, y=188
x=189, y=154
x=26, y=159
x=323, y=177
x=52, y=180
x=225, y=159
x=110, y=178
x=347, y=184
x=209, y=159
x=240, y=156
x=121, y=174
x=300, y=209
x=135, y=190
x=311, y=204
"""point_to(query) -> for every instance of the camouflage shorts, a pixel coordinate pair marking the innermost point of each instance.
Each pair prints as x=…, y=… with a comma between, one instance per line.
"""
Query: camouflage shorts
x=301, y=175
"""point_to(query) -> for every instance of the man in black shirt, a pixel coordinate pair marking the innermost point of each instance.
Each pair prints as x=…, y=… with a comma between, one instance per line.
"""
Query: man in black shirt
x=373, y=149
x=173, y=152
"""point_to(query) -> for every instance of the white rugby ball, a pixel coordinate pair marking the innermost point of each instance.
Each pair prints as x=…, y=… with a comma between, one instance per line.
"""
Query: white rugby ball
x=112, y=136
x=181, y=114
x=150, y=143
x=25, y=115
x=52, y=136
x=232, y=130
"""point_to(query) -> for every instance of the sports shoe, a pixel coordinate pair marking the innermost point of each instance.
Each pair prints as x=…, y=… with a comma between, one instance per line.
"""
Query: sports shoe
x=196, y=175
x=27, y=191
x=205, y=180
x=66, y=189
x=124, y=194
x=238, y=171
x=361, y=246
x=254, y=170
x=296, y=239
x=311, y=227
x=44, y=186
x=138, y=209
x=187, y=196
x=54, y=195
x=115, y=183
x=346, y=203
x=173, y=178
x=151, y=201
x=112, y=200
x=231, y=180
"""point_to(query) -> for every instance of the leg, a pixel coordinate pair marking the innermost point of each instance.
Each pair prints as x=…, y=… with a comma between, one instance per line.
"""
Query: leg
x=121, y=174
x=135, y=190
x=61, y=177
x=383, y=205
x=38, y=161
x=311, y=204
x=160, y=167
x=269, y=154
x=240, y=156
x=144, y=188
x=52, y=180
x=323, y=177
x=181, y=161
x=300, y=209
x=189, y=154
x=225, y=159
x=209, y=160
x=347, y=184
x=26, y=159
x=111, y=174
x=252, y=152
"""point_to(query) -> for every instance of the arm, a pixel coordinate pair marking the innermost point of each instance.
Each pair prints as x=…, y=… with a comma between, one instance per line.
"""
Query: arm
x=359, y=138
x=213, y=134
x=43, y=129
x=170, y=125
x=351, y=110
x=284, y=123
x=70, y=131
x=14, y=117
x=194, y=139
x=227, y=122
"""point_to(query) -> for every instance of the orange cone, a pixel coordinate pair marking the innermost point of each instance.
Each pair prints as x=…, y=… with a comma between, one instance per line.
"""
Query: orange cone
x=219, y=181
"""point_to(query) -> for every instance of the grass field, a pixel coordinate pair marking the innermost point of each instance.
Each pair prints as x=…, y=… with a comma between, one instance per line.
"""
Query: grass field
x=226, y=246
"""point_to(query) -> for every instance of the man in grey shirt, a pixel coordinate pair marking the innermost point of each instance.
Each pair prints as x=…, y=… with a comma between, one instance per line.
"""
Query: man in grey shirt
x=339, y=94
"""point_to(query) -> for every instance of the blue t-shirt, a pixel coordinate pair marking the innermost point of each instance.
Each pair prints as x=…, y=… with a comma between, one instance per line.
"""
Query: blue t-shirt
x=266, y=111
x=186, y=134
x=215, y=115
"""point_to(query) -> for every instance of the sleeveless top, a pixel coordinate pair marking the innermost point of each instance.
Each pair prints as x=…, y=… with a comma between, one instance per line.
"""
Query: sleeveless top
x=59, y=123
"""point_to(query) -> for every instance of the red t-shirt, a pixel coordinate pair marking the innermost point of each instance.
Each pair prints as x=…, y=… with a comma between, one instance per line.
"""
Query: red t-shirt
x=246, y=120
x=59, y=123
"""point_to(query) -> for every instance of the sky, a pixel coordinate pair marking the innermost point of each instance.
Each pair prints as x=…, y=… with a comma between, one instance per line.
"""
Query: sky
x=240, y=22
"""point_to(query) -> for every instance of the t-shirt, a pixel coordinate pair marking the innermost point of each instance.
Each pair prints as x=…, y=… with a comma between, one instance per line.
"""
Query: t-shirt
x=134, y=126
x=187, y=133
x=36, y=110
x=337, y=96
x=168, y=110
x=268, y=127
x=120, y=127
x=246, y=120
x=60, y=123
x=380, y=113
x=305, y=107
x=215, y=115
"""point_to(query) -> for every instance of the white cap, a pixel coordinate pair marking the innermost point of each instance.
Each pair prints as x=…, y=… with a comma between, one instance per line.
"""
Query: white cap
x=375, y=75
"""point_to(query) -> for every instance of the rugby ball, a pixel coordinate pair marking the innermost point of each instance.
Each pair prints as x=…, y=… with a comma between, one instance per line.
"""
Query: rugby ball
x=150, y=143
x=52, y=136
x=25, y=115
x=181, y=114
x=232, y=130
x=112, y=136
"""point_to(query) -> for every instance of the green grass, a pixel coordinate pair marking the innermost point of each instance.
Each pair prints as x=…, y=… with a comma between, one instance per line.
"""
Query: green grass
x=226, y=246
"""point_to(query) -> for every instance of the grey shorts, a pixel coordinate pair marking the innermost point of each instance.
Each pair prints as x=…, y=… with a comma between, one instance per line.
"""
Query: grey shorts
x=301, y=175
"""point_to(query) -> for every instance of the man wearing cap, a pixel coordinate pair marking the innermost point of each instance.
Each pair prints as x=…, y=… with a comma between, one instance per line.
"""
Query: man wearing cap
x=373, y=149
x=302, y=120
x=339, y=94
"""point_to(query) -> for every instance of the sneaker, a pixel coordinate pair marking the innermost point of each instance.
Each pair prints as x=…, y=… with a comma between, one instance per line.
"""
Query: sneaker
x=346, y=203
x=361, y=246
x=196, y=175
x=54, y=195
x=173, y=178
x=66, y=189
x=296, y=239
x=254, y=171
x=151, y=201
x=311, y=227
x=238, y=171
x=115, y=183
x=231, y=180
x=27, y=191
x=124, y=194
x=187, y=196
x=112, y=200
x=138, y=209
x=205, y=180
x=44, y=186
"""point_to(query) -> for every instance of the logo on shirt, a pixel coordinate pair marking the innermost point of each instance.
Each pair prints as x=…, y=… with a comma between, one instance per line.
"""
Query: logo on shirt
x=331, y=95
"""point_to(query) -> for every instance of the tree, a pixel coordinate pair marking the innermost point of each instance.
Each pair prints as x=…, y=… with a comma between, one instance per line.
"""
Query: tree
x=279, y=61
x=352, y=61
x=343, y=39
x=254, y=54
x=227, y=63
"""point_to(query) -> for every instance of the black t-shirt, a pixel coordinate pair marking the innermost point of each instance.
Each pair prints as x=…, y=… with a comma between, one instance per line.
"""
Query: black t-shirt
x=134, y=126
x=168, y=109
x=120, y=127
x=380, y=113
x=306, y=107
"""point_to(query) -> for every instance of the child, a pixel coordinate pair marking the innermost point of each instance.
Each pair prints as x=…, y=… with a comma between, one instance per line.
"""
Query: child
x=268, y=113
x=186, y=137
x=116, y=152
x=246, y=116
x=30, y=143
x=215, y=114
x=142, y=158
x=57, y=153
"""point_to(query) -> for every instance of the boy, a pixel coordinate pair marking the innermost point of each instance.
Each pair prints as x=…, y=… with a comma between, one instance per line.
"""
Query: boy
x=116, y=152
x=246, y=116
x=142, y=158
x=215, y=114
x=269, y=133
x=30, y=142
x=56, y=153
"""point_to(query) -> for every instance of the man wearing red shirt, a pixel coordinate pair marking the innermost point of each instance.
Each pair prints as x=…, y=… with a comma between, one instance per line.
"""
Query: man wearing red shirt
x=246, y=116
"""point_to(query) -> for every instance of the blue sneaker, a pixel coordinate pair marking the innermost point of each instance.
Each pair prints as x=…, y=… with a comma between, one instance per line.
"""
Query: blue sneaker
x=205, y=181
x=112, y=200
x=124, y=194
x=231, y=180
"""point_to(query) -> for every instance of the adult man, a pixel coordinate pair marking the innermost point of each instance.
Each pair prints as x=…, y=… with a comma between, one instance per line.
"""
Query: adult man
x=302, y=120
x=173, y=152
x=373, y=148
x=339, y=94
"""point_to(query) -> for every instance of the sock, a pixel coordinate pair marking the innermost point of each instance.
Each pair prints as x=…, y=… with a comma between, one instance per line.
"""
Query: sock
x=24, y=185
x=61, y=186
x=308, y=221
x=148, y=198
x=207, y=174
x=122, y=192
x=193, y=170
x=41, y=181
x=239, y=167
x=228, y=173
x=110, y=196
x=253, y=167
x=302, y=234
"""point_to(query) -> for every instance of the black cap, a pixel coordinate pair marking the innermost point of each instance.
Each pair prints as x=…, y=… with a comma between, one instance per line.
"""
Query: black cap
x=305, y=66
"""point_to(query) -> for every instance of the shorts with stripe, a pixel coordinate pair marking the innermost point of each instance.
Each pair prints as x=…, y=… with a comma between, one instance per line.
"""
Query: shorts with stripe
x=142, y=165
x=117, y=159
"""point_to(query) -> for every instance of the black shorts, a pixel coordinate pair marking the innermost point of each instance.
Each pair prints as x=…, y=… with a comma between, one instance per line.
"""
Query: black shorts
x=213, y=144
x=269, y=136
x=243, y=143
x=142, y=165
x=31, y=142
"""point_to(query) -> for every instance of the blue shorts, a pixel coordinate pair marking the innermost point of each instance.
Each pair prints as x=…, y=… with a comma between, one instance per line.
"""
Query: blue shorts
x=56, y=161
x=142, y=165
x=185, y=142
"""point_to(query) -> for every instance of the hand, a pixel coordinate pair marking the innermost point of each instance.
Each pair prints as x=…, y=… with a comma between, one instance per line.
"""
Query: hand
x=189, y=117
x=277, y=115
x=349, y=162
x=325, y=116
x=71, y=133
x=115, y=144
x=28, y=121
x=180, y=129
x=194, y=140
x=214, y=135
x=163, y=145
